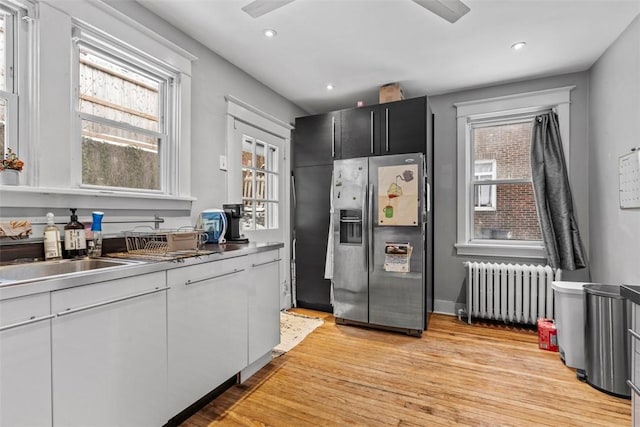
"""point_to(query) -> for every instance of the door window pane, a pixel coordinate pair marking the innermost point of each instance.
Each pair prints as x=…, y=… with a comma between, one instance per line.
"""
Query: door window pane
x=260, y=155
x=260, y=215
x=260, y=181
x=247, y=152
x=272, y=186
x=247, y=184
x=248, y=215
x=260, y=185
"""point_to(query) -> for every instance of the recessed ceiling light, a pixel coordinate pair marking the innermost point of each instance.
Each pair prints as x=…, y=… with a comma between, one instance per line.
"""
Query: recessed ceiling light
x=269, y=33
x=518, y=45
x=330, y=86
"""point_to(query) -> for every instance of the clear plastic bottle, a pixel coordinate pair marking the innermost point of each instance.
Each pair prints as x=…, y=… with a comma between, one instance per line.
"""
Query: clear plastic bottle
x=95, y=245
x=52, y=245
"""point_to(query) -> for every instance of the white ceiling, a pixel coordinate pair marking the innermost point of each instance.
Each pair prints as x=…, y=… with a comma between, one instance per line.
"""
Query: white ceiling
x=358, y=45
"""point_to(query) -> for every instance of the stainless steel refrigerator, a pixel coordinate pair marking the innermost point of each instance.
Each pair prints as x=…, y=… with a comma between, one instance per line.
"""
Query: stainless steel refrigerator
x=378, y=221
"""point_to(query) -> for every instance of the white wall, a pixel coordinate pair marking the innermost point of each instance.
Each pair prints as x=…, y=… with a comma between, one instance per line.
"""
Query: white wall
x=212, y=78
x=614, y=128
x=449, y=274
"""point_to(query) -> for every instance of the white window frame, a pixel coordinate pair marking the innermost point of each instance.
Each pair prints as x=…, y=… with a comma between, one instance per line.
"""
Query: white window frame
x=48, y=140
x=500, y=108
x=20, y=77
x=169, y=109
x=492, y=175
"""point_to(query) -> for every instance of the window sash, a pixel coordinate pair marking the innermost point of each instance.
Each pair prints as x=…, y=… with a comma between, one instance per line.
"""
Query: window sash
x=476, y=179
x=167, y=91
x=10, y=93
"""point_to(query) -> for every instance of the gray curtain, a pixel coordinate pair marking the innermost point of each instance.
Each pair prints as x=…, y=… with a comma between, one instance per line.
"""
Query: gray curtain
x=554, y=203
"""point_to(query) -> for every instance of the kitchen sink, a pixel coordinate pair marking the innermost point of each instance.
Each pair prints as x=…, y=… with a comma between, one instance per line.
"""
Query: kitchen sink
x=47, y=269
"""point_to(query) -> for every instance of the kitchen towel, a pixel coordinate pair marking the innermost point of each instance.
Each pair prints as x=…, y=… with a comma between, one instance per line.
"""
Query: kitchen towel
x=328, y=264
x=17, y=229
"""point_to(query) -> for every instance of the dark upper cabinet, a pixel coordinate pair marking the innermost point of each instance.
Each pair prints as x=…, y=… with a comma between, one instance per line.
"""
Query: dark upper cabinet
x=360, y=132
x=393, y=128
x=403, y=126
x=317, y=139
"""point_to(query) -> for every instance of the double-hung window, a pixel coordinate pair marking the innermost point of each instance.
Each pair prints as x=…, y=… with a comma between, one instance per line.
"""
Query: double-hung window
x=497, y=214
x=504, y=206
x=125, y=104
x=13, y=54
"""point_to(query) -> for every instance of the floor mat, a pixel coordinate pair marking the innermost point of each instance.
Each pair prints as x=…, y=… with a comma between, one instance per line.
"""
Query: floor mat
x=293, y=329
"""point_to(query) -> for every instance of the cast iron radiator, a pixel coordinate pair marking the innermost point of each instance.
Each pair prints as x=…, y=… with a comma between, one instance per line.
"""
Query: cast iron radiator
x=511, y=293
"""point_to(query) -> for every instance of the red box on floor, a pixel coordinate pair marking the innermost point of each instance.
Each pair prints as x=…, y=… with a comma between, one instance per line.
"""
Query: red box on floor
x=547, y=335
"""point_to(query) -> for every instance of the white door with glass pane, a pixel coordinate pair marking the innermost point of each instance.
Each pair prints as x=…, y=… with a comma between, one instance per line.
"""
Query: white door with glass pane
x=258, y=178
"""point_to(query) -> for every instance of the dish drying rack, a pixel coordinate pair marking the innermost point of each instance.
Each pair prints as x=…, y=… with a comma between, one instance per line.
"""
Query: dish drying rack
x=148, y=241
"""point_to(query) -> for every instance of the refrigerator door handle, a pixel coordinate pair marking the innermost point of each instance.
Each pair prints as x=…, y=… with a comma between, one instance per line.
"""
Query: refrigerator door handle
x=365, y=238
x=370, y=227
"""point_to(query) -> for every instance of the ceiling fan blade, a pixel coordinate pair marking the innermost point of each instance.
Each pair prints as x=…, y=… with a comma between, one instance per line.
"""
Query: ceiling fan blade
x=258, y=8
x=451, y=10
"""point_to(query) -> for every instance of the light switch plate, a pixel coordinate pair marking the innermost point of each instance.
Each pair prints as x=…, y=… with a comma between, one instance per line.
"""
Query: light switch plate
x=223, y=163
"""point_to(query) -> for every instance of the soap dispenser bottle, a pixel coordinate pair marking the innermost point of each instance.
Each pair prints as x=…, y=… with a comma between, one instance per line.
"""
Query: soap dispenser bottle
x=52, y=247
x=75, y=242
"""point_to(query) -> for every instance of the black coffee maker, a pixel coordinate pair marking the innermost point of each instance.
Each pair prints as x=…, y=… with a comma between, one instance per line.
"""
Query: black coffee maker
x=233, y=212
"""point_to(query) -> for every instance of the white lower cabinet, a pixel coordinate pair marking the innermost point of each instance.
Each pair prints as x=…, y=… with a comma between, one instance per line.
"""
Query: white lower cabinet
x=109, y=349
x=25, y=361
x=207, y=307
x=264, y=303
x=139, y=350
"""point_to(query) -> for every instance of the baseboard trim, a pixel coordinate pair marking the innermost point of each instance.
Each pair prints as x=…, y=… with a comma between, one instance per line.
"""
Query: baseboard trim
x=200, y=403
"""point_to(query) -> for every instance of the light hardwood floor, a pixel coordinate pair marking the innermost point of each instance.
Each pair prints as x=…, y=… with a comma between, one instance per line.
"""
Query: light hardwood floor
x=456, y=374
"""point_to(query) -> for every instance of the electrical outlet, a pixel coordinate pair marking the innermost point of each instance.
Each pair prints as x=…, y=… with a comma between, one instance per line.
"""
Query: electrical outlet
x=223, y=163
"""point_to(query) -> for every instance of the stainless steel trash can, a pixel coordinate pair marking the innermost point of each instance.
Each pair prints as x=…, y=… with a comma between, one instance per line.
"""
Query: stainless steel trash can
x=607, y=318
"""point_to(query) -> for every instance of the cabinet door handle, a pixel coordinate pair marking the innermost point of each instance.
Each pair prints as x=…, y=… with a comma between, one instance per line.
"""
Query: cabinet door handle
x=265, y=263
x=228, y=273
x=111, y=301
x=333, y=136
x=633, y=387
x=27, y=322
x=386, y=127
x=371, y=129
